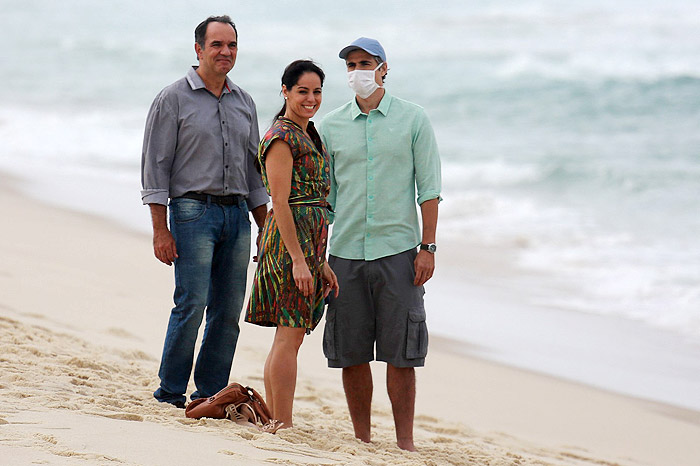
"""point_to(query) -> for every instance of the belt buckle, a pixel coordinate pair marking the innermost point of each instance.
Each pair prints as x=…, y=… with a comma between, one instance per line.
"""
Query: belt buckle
x=232, y=199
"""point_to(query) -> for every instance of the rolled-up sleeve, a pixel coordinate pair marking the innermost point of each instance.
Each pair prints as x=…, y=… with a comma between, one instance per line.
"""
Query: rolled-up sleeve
x=159, y=144
x=257, y=194
x=426, y=160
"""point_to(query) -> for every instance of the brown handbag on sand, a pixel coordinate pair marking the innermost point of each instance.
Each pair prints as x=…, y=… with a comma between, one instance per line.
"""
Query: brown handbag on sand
x=239, y=403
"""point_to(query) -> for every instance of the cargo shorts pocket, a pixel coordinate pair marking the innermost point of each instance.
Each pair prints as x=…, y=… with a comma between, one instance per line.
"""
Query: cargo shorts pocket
x=417, y=334
x=329, y=340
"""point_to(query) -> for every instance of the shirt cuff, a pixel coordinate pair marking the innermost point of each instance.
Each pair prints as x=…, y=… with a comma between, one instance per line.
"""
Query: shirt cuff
x=428, y=196
x=257, y=198
x=154, y=196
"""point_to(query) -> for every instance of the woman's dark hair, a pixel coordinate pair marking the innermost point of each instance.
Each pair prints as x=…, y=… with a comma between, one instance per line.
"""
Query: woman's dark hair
x=291, y=76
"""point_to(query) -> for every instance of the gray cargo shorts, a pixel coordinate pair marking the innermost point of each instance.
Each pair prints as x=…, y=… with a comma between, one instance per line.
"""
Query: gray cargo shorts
x=378, y=303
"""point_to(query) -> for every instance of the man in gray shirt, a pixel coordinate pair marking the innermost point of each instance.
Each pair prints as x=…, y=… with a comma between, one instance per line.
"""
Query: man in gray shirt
x=199, y=145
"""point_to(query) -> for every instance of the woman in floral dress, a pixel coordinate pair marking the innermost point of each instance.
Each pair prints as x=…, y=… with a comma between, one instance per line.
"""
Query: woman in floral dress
x=292, y=278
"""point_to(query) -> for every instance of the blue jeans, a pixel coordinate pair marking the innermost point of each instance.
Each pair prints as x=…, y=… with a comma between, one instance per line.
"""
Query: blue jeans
x=213, y=247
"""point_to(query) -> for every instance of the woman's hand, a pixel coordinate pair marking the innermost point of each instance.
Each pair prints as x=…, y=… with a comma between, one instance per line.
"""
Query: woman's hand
x=302, y=276
x=256, y=257
x=330, y=281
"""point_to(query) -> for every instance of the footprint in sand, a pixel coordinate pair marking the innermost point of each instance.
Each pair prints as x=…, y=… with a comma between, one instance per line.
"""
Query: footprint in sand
x=124, y=417
x=120, y=332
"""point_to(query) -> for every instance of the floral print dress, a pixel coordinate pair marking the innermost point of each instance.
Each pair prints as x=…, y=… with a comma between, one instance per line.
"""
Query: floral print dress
x=275, y=299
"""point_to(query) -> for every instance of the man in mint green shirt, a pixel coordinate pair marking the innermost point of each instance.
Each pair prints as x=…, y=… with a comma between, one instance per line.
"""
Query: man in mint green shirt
x=384, y=159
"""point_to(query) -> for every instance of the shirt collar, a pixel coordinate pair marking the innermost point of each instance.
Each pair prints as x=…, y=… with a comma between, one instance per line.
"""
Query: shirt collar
x=383, y=107
x=195, y=81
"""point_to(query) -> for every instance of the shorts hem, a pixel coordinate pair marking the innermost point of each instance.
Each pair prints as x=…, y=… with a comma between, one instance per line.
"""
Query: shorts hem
x=339, y=364
x=418, y=362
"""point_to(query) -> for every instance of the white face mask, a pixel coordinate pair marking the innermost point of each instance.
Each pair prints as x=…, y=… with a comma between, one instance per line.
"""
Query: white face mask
x=362, y=82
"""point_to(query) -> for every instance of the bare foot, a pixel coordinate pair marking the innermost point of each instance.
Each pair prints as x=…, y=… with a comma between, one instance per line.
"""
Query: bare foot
x=406, y=444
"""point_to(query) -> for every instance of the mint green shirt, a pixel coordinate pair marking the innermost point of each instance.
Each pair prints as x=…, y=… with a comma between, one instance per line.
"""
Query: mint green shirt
x=381, y=164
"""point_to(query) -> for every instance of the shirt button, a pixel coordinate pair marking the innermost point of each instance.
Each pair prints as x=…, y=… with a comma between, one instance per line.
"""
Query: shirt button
x=371, y=197
x=223, y=122
x=370, y=178
x=226, y=144
x=327, y=169
x=369, y=139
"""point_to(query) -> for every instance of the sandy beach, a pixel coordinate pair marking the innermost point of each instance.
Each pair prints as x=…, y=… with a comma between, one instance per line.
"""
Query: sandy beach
x=83, y=311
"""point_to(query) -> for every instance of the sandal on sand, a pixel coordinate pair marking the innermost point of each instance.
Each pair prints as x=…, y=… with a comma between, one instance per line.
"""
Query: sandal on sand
x=272, y=426
x=242, y=414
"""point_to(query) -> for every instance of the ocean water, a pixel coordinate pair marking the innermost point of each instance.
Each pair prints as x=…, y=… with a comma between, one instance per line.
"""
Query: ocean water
x=569, y=131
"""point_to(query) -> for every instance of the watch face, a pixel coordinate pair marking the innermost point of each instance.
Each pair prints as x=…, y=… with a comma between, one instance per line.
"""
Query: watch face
x=430, y=247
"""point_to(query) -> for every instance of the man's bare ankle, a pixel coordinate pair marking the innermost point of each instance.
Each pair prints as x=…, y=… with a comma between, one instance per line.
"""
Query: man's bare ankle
x=406, y=444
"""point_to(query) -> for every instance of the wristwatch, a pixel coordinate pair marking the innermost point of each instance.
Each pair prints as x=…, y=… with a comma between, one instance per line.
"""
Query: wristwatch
x=430, y=247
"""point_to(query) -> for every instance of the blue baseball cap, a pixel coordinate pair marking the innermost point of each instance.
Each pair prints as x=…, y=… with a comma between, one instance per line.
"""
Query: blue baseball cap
x=371, y=46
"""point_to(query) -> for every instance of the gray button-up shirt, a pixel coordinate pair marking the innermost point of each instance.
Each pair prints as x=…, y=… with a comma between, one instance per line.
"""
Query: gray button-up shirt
x=195, y=141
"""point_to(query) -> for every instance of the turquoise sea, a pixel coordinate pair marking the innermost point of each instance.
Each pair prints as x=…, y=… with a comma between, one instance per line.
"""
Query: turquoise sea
x=569, y=131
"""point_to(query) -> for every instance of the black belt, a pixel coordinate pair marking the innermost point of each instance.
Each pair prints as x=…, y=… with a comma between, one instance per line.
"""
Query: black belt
x=233, y=199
